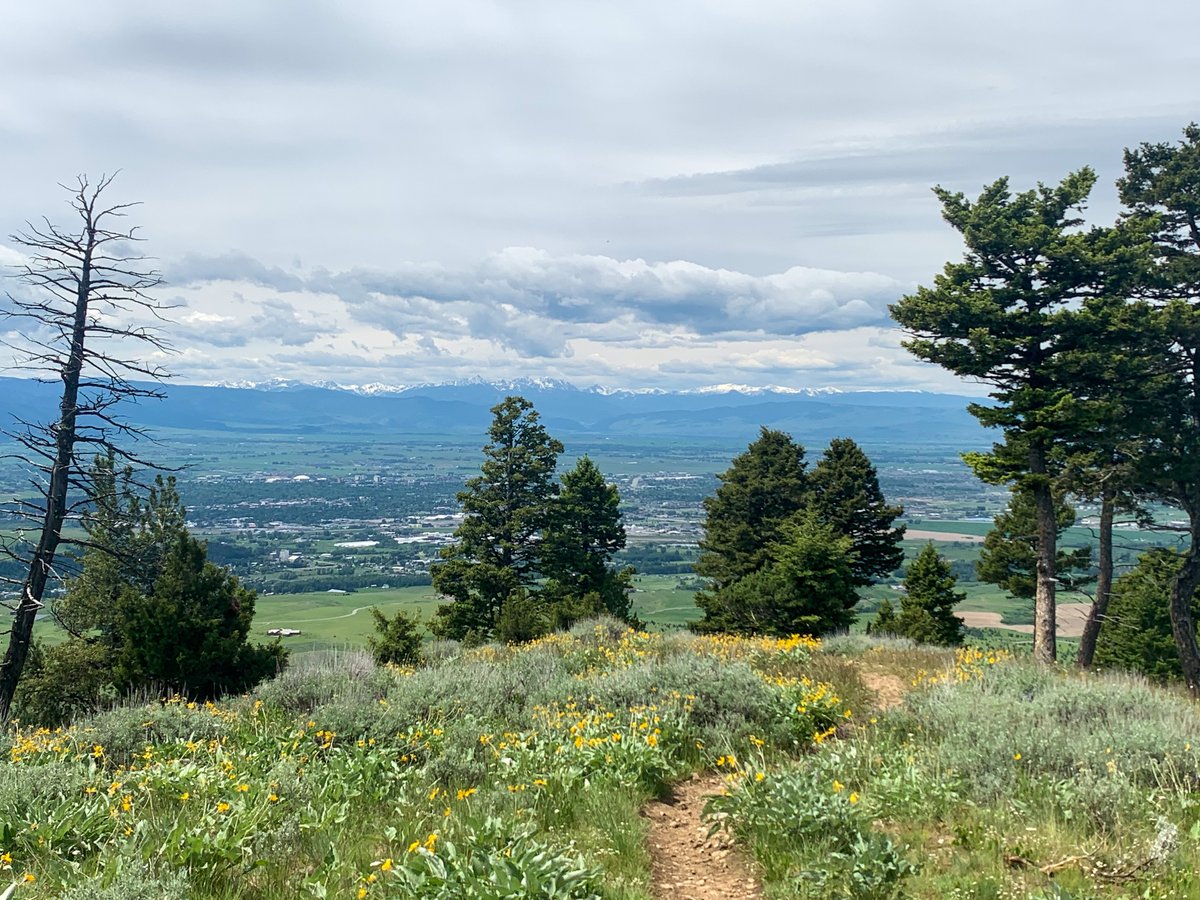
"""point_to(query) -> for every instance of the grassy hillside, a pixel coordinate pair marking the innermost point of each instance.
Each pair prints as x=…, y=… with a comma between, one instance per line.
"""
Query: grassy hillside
x=850, y=769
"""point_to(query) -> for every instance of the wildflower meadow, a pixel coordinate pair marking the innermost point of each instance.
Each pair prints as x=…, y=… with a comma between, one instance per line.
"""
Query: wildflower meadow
x=520, y=771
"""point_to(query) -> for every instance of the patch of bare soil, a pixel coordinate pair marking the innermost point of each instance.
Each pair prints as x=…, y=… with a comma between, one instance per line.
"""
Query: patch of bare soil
x=915, y=534
x=686, y=864
x=1068, y=620
x=889, y=689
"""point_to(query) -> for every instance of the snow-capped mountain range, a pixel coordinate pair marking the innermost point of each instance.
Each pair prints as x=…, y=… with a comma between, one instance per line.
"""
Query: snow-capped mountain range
x=727, y=413
x=377, y=388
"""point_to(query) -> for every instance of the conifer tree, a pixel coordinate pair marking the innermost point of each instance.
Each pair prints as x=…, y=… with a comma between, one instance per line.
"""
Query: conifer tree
x=885, y=619
x=1008, y=557
x=844, y=491
x=189, y=634
x=584, y=533
x=1139, y=635
x=1161, y=191
x=806, y=586
x=146, y=610
x=927, y=609
x=505, y=509
x=763, y=488
x=1001, y=316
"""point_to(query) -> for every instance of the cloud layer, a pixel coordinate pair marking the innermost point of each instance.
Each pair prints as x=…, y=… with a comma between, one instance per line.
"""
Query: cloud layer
x=668, y=193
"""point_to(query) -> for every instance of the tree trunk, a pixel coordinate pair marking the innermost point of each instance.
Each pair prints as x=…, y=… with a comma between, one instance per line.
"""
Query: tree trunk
x=1045, y=635
x=42, y=563
x=1183, y=590
x=1091, y=628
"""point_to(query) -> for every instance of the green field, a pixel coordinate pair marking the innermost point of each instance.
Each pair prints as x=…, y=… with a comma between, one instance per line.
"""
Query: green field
x=330, y=620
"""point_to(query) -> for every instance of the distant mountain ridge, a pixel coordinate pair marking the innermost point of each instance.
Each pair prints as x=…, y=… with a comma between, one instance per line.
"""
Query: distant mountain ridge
x=513, y=384
x=727, y=413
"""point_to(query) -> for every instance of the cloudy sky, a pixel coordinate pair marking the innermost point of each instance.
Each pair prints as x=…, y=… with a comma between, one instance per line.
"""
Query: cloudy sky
x=652, y=194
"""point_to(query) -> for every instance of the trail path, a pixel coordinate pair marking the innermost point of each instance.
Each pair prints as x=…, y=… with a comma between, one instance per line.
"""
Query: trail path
x=686, y=864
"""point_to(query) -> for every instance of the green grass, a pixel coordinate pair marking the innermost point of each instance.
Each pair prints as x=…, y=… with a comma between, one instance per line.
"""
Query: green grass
x=661, y=603
x=336, y=620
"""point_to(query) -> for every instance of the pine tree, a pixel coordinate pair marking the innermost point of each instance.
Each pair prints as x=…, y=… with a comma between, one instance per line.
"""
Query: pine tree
x=1138, y=636
x=806, y=586
x=1008, y=557
x=584, y=533
x=127, y=541
x=1160, y=192
x=845, y=494
x=505, y=508
x=885, y=620
x=118, y=595
x=397, y=639
x=927, y=609
x=1002, y=316
x=189, y=634
x=763, y=488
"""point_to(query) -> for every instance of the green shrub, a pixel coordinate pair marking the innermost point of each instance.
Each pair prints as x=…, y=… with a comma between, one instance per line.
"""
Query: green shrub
x=132, y=881
x=397, y=640
x=1137, y=635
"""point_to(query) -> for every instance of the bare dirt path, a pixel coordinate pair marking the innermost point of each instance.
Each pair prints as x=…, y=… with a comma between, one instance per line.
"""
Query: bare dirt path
x=686, y=864
x=889, y=689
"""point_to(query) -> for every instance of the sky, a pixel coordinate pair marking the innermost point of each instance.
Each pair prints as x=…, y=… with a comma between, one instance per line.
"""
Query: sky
x=659, y=194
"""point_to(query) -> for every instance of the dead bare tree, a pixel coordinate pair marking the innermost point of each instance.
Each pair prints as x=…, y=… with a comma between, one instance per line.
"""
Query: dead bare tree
x=83, y=314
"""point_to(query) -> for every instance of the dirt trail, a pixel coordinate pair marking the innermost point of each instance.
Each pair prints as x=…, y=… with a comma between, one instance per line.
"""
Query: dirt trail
x=889, y=689
x=686, y=864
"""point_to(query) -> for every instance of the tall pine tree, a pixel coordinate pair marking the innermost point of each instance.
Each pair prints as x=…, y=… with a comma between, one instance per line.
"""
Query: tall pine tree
x=763, y=488
x=845, y=494
x=505, y=509
x=1001, y=316
x=584, y=533
x=1161, y=191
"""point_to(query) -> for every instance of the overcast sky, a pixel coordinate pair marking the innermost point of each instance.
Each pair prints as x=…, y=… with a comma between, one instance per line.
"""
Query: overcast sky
x=651, y=194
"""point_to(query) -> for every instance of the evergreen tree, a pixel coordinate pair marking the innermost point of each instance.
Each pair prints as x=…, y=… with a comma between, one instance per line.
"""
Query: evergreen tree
x=585, y=531
x=397, y=640
x=806, y=586
x=845, y=494
x=763, y=488
x=885, y=620
x=505, y=509
x=127, y=540
x=1002, y=316
x=1161, y=190
x=1138, y=636
x=522, y=618
x=189, y=634
x=927, y=609
x=117, y=596
x=1008, y=557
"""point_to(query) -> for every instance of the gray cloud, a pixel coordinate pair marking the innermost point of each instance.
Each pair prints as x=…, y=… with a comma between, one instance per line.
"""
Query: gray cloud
x=729, y=173
x=533, y=302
